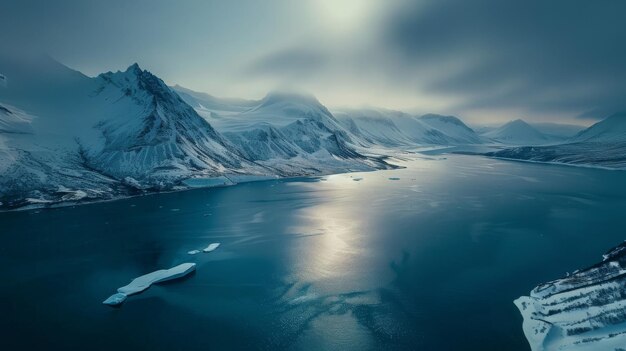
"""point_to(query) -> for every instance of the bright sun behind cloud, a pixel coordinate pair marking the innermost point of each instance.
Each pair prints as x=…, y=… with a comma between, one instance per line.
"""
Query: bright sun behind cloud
x=342, y=16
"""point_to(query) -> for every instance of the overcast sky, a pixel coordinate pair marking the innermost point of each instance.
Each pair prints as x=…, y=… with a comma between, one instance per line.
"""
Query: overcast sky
x=485, y=60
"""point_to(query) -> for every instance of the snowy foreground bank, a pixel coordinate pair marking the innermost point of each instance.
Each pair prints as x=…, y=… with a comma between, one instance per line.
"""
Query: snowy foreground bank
x=585, y=311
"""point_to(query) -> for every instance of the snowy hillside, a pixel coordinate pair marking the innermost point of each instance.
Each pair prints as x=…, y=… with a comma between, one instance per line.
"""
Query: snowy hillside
x=601, y=145
x=65, y=136
x=393, y=128
x=517, y=132
x=293, y=134
x=610, y=130
x=584, y=311
x=455, y=130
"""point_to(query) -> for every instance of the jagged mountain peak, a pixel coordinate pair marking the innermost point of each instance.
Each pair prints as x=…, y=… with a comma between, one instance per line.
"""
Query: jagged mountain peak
x=134, y=79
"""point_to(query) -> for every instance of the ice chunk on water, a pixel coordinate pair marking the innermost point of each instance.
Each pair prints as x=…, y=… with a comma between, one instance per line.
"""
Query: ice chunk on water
x=193, y=252
x=143, y=282
x=115, y=299
x=211, y=247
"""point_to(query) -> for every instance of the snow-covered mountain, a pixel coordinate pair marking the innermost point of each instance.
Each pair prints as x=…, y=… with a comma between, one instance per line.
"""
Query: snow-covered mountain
x=292, y=133
x=610, y=130
x=63, y=133
x=585, y=311
x=394, y=128
x=601, y=145
x=66, y=136
x=455, y=130
x=517, y=132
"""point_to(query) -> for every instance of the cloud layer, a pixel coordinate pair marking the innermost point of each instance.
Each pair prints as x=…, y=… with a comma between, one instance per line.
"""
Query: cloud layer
x=486, y=59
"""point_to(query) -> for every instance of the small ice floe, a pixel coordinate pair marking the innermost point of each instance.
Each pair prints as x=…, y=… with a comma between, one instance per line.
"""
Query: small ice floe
x=394, y=178
x=175, y=209
x=357, y=179
x=143, y=282
x=115, y=299
x=211, y=247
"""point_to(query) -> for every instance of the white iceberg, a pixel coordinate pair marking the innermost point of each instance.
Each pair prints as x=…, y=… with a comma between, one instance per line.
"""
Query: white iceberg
x=211, y=247
x=143, y=282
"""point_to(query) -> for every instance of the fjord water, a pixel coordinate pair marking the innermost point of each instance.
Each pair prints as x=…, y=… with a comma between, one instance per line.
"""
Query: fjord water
x=432, y=261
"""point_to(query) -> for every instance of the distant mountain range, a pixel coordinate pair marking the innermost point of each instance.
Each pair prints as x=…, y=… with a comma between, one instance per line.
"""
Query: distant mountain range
x=68, y=137
x=601, y=145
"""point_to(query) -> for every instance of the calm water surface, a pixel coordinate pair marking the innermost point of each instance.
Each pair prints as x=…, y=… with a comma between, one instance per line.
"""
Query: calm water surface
x=431, y=261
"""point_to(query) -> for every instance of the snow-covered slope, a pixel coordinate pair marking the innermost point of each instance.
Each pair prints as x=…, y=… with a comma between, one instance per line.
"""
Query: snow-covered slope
x=585, y=311
x=601, y=145
x=398, y=129
x=455, y=130
x=298, y=128
x=293, y=134
x=66, y=136
x=65, y=133
x=150, y=134
x=517, y=132
x=610, y=130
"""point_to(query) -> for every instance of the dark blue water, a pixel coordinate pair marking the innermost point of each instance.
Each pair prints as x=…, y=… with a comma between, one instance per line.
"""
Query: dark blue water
x=431, y=261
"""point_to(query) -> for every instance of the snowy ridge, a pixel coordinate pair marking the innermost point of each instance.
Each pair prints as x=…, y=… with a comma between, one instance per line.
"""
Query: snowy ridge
x=584, y=311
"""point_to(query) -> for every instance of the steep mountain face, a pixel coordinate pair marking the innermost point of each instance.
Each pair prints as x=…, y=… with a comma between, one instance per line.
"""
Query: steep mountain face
x=601, y=145
x=151, y=134
x=292, y=134
x=584, y=311
x=517, y=132
x=65, y=136
x=394, y=128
